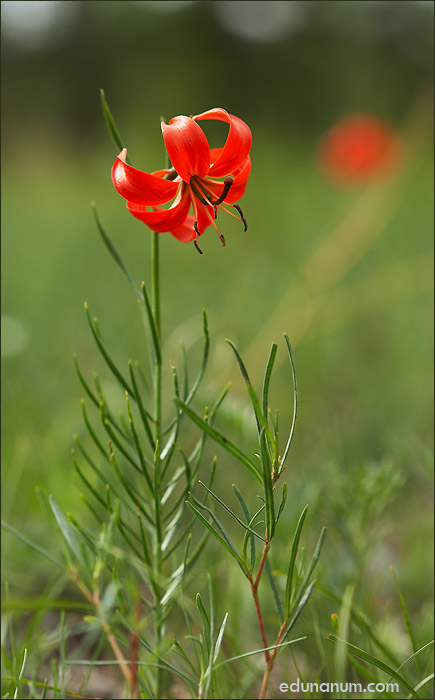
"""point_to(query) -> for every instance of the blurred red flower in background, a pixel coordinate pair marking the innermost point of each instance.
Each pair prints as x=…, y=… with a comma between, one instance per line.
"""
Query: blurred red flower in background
x=190, y=182
x=359, y=148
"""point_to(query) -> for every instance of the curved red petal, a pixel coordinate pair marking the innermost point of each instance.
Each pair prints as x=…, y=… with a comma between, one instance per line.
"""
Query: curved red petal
x=140, y=187
x=241, y=177
x=238, y=187
x=164, y=220
x=237, y=145
x=187, y=147
x=186, y=232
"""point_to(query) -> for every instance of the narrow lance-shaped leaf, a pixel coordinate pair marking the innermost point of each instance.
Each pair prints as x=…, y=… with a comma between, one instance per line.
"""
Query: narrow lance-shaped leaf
x=260, y=419
x=84, y=383
x=301, y=604
x=143, y=413
x=295, y=400
x=363, y=625
x=311, y=567
x=66, y=529
x=110, y=123
x=220, y=439
x=232, y=513
x=113, y=437
x=283, y=501
x=268, y=488
x=216, y=535
x=291, y=566
x=260, y=651
x=267, y=376
x=113, y=368
x=219, y=638
x=405, y=612
x=91, y=430
x=374, y=661
x=217, y=522
x=248, y=521
x=205, y=354
x=138, y=445
x=274, y=589
x=45, y=553
x=112, y=250
x=185, y=372
x=152, y=323
x=205, y=621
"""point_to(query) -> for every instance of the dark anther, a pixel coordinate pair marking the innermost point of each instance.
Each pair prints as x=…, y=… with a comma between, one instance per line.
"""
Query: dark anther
x=222, y=239
x=195, y=226
x=197, y=247
x=227, y=186
x=171, y=175
x=236, y=206
x=215, y=211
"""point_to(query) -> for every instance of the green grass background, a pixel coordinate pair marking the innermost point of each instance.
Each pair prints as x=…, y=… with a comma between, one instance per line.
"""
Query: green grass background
x=363, y=446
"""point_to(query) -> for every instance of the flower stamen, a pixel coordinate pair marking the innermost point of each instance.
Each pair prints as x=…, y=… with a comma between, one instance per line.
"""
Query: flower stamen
x=197, y=247
x=228, y=182
x=239, y=218
x=202, y=198
x=236, y=206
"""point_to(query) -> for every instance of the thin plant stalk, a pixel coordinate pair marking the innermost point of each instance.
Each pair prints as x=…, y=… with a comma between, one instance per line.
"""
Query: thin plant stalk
x=155, y=276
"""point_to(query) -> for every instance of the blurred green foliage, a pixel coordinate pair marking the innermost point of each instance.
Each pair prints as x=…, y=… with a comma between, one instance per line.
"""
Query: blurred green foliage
x=362, y=449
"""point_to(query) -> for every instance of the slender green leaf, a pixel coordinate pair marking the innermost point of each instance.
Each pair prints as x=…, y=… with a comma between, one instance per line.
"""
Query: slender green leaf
x=283, y=501
x=423, y=682
x=143, y=413
x=66, y=529
x=267, y=376
x=361, y=622
x=260, y=419
x=268, y=487
x=217, y=536
x=205, y=354
x=219, y=638
x=374, y=661
x=311, y=568
x=152, y=323
x=343, y=620
x=274, y=589
x=112, y=250
x=110, y=363
x=205, y=621
x=302, y=603
x=110, y=123
x=21, y=672
x=32, y=544
x=295, y=400
x=248, y=521
x=415, y=656
x=220, y=439
x=113, y=437
x=291, y=566
x=236, y=517
x=138, y=445
x=37, y=684
x=405, y=612
x=84, y=383
x=260, y=651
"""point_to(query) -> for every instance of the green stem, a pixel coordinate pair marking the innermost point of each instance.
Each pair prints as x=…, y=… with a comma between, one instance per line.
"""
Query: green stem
x=155, y=262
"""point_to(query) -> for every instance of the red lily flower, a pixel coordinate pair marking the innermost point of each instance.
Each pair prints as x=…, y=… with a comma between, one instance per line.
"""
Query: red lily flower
x=358, y=149
x=191, y=180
